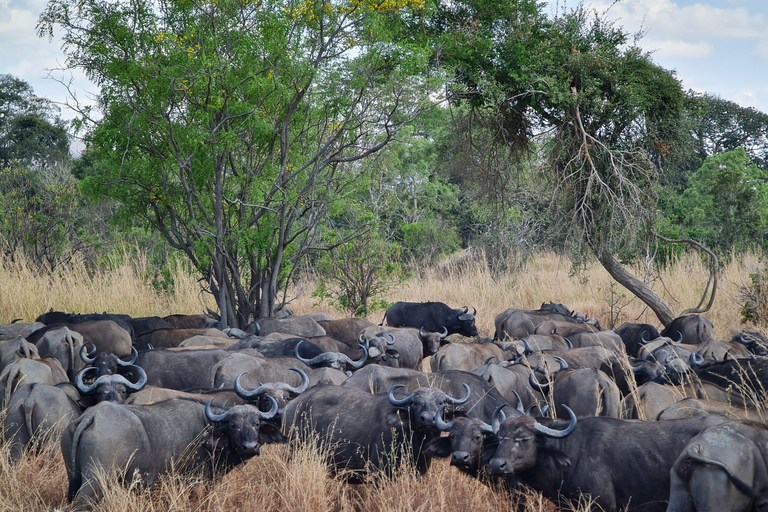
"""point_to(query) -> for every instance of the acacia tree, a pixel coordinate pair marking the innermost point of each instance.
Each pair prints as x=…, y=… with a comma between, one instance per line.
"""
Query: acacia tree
x=600, y=116
x=229, y=126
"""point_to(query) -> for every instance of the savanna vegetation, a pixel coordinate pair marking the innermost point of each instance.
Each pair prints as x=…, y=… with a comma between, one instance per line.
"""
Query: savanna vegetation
x=341, y=156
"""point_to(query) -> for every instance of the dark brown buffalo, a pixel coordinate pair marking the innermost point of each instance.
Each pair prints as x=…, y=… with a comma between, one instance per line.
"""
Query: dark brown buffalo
x=620, y=464
x=346, y=330
x=167, y=338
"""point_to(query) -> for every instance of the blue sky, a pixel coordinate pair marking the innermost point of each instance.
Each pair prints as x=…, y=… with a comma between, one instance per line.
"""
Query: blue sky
x=717, y=46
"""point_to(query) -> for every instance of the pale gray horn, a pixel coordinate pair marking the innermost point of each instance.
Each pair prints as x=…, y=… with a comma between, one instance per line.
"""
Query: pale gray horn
x=272, y=412
x=444, y=334
x=134, y=353
x=459, y=401
x=213, y=416
x=551, y=432
x=142, y=380
x=304, y=383
x=394, y=401
x=85, y=356
x=439, y=423
x=498, y=418
x=244, y=393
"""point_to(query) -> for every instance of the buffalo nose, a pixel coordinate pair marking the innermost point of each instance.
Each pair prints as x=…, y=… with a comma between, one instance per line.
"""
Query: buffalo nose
x=427, y=419
x=460, y=459
x=251, y=447
x=498, y=466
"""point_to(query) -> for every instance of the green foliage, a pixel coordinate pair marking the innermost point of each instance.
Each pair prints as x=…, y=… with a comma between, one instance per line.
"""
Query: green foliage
x=356, y=275
x=726, y=203
x=38, y=217
x=229, y=126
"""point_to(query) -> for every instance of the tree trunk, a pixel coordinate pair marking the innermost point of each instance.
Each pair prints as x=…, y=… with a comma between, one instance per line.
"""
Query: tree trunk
x=636, y=287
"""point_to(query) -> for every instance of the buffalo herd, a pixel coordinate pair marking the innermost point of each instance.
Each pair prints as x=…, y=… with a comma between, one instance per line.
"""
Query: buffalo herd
x=628, y=419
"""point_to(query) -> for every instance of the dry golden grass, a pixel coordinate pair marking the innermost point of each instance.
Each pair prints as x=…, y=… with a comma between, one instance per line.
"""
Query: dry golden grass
x=275, y=482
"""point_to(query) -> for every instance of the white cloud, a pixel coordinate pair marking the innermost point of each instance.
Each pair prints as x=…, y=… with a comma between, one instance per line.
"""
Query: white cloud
x=685, y=49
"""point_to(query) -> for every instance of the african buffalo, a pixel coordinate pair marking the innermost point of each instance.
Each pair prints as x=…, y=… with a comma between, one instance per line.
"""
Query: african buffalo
x=511, y=381
x=36, y=415
x=723, y=469
x=149, y=440
x=345, y=330
x=689, y=407
x=179, y=370
x=304, y=326
x=399, y=347
x=15, y=348
x=618, y=463
x=465, y=356
x=634, y=336
x=691, y=329
x=110, y=388
x=362, y=432
x=166, y=338
x=432, y=317
x=63, y=344
x=519, y=323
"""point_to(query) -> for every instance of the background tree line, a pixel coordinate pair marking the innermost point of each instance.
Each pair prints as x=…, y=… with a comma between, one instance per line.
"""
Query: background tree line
x=365, y=140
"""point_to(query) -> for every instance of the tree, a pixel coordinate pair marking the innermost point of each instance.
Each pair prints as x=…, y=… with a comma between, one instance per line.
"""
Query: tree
x=726, y=202
x=231, y=126
x=604, y=115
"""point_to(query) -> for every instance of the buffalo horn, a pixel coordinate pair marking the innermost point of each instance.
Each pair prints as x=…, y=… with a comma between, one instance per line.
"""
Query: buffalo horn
x=745, y=341
x=487, y=361
x=394, y=401
x=519, y=406
x=391, y=337
x=464, y=310
x=444, y=334
x=642, y=337
x=85, y=356
x=304, y=383
x=498, y=418
x=80, y=377
x=538, y=386
x=361, y=339
x=134, y=353
x=244, y=393
x=526, y=347
x=257, y=326
x=16, y=320
x=213, y=416
x=680, y=337
x=570, y=345
x=141, y=381
x=439, y=423
x=318, y=359
x=695, y=359
x=563, y=364
x=459, y=401
x=422, y=334
x=272, y=412
x=551, y=432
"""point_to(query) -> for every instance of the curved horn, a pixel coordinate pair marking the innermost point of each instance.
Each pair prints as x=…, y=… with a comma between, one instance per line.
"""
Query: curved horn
x=320, y=358
x=642, y=337
x=257, y=326
x=680, y=337
x=272, y=412
x=85, y=355
x=459, y=401
x=695, y=359
x=498, y=418
x=563, y=364
x=394, y=401
x=526, y=347
x=474, y=311
x=439, y=423
x=80, y=385
x=487, y=361
x=244, y=393
x=551, y=432
x=570, y=345
x=213, y=416
x=304, y=382
x=464, y=310
x=392, y=337
x=422, y=334
x=361, y=339
x=538, y=386
x=519, y=406
x=444, y=334
x=134, y=353
x=16, y=320
x=142, y=380
x=530, y=408
x=745, y=341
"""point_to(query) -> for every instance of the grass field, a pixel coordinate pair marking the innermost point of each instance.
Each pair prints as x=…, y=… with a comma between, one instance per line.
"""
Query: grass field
x=271, y=482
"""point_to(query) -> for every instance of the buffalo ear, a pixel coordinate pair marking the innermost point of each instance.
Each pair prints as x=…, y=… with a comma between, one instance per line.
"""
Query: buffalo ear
x=489, y=450
x=560, y=457
x=270, y=434
x=437, y=447
x=397, y=418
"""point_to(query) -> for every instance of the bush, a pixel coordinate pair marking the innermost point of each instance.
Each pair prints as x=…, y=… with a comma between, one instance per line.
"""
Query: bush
x=755, y=297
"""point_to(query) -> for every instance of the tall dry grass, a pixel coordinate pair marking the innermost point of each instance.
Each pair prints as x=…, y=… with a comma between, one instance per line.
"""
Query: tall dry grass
x=276, y=482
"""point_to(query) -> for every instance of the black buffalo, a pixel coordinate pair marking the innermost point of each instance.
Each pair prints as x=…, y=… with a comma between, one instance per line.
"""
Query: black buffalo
x=432, y=317
x=363, y=433
x=691, y=329
x=149, y=440
x=619, y=463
